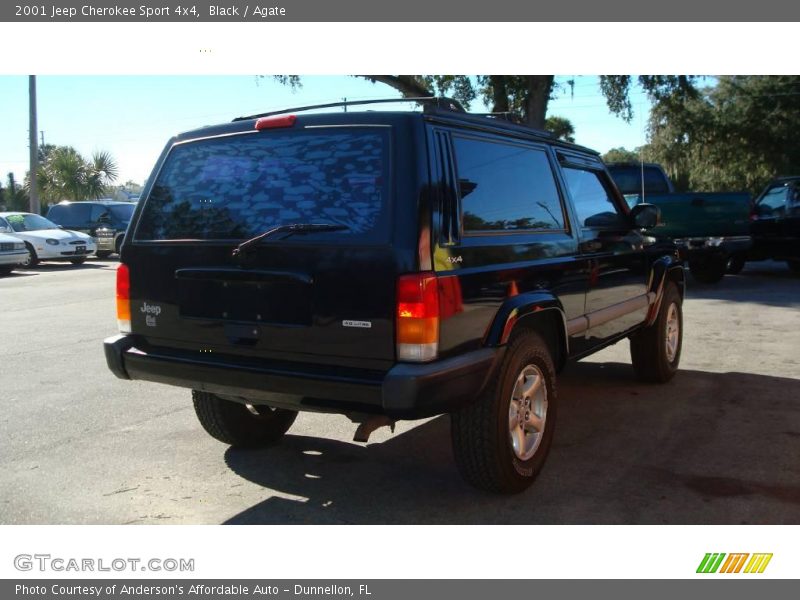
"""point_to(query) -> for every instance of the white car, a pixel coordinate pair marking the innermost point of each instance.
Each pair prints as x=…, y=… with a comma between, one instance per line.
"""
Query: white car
x=12, y=253
x=44, y=240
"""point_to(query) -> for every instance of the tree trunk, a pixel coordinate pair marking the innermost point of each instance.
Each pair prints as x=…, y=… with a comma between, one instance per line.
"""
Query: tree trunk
x=499, y=93
x=536, y=99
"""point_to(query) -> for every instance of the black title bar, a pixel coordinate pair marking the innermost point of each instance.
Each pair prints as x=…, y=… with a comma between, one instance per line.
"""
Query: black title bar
x=406, y=10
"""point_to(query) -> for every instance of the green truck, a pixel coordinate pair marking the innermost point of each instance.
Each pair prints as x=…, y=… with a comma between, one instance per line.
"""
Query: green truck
x=712, y=229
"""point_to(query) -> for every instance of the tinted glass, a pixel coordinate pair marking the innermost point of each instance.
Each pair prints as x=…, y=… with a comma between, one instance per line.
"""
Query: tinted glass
x=506, y=187
x=98, y=210
x=773, y=203
x=240, y=186
x=592, y=201
x=122, y=212
x=629, y=180
x=75, y=214
x=29, y=222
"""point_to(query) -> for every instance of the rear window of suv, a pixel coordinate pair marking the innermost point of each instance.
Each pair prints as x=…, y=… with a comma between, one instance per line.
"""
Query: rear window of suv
x=235, y=187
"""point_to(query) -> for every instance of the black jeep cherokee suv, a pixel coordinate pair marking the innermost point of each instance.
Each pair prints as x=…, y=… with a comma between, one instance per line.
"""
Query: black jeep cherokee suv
x=389, y=265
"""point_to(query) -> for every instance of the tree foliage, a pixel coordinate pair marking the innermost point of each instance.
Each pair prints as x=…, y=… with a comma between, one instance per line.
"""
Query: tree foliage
x=622, y=155
x=66, y=175
x=14, y=197
x=735, y=135
x=561, y=127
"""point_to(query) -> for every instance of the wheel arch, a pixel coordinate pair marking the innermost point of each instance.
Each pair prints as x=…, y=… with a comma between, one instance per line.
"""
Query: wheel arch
x=540, y=312
x=666, y=269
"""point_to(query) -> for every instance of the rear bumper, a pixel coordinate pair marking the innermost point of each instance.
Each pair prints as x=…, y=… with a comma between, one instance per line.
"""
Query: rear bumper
x=722, y=247
x=406, y=391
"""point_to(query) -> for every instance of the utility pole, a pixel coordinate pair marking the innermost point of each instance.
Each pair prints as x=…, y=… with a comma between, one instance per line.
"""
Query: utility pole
x=42, y=134
x=34, y=129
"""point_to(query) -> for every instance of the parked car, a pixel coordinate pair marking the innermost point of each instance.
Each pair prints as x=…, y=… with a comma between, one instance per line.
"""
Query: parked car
x=105, y=220
x=44, y=240
x=711, y=229
x=12, y=253
x=776, y=223
x=389, y=265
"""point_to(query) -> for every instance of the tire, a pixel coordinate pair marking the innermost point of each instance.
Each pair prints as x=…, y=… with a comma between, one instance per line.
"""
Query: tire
x=708, y=270
x=482, y=431
x=103, y=253
x=234, y=424
x=6, y=270
x=736, y=263
x=77, y=261
x=794, y=265
x=32, y=259
x=653, y=359
x=118, y=244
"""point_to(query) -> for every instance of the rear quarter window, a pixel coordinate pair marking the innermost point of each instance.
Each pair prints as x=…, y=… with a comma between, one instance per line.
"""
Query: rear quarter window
x=505, y=187
x=239, y=186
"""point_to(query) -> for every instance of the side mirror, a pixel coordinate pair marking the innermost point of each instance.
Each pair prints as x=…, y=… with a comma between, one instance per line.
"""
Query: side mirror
x=645, y=216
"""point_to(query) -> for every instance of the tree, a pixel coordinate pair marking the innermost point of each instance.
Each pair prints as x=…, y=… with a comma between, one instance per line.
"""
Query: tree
x=622, y=155
x=526, y=95
x=16, y=199
x=561, y=127
x=737, y=134
x=66, y=175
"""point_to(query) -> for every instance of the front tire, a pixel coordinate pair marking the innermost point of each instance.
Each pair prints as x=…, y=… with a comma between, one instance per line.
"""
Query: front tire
x=656, y=350
x=501, y=440
x=103, y=253
x=6, y=270
x=239, y=425
x=32, y=259
x=78, y=261
x=736, y=263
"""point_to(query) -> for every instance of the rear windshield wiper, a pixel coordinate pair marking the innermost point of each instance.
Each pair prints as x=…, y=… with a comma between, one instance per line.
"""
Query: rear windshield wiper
x=289, y=229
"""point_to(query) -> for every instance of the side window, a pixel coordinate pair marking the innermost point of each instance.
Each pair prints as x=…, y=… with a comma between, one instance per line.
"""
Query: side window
x=593, y=203
x=74, y=215
x=505, y=187
x=98, y=211
x=773, y=203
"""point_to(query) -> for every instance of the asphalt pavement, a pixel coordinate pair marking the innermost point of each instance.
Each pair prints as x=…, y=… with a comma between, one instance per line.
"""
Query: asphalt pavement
x=720, y=443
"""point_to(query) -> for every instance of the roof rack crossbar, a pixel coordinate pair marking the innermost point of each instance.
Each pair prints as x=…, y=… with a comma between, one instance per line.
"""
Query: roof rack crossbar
x=425, y=101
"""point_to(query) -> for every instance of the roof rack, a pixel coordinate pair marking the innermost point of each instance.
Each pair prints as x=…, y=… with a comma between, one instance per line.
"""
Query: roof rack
x=441, y=103
x=510, y=116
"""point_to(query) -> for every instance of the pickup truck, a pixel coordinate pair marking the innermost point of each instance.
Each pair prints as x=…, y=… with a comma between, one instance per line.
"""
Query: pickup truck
x=711, y=229
x=776, y=223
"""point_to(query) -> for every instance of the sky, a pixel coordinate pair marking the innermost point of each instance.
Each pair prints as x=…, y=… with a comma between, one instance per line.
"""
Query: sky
x=132, y=116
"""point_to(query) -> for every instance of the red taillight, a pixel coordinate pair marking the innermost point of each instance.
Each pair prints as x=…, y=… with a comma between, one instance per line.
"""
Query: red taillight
x=124, y=298
x=417, y=317
x=276, y=122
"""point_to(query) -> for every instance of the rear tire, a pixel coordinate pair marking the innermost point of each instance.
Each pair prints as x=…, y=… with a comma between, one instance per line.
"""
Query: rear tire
x=103, y=253
x=708, y=270
x=656, y=350
x=736, y=263
x=234, y=424
x=501, y=440
x=794, y=265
